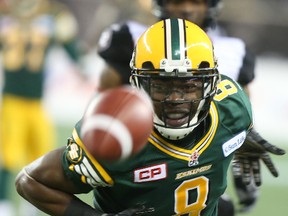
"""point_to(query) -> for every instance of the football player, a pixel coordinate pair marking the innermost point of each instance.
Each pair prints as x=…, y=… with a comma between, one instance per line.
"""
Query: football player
x=234, y=59
x=200, y=120
x=28, y=28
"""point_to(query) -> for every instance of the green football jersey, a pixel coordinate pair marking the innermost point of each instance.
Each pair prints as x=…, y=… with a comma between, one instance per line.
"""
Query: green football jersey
x=169, y=177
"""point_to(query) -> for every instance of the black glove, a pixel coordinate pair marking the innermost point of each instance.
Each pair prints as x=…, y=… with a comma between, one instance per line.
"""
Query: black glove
x=138, y=210
x=78, y=207
x=247, y=194
x=246, y=163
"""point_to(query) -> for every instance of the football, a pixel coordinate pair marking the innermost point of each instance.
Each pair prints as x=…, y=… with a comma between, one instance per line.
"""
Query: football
x=117, y=123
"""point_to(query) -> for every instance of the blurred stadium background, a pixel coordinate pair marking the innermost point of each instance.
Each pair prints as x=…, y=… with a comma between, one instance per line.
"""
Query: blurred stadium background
x=262, y=24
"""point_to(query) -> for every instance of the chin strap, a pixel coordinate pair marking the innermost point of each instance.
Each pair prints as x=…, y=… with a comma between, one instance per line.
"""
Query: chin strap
x=172, y=133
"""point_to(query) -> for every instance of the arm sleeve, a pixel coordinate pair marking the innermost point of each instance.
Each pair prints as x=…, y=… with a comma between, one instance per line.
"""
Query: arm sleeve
x=81, y=167
x=247, y=71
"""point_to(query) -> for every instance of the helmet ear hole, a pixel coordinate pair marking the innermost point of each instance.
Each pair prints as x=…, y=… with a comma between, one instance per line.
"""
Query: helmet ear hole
x=204, y=64
x=148, y=65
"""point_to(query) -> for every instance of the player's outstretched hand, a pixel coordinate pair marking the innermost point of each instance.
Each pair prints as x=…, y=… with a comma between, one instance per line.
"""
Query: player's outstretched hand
x=247, y=159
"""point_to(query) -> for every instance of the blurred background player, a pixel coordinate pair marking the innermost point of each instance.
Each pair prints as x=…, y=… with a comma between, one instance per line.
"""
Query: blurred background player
x=234, y=59
x=28, y=28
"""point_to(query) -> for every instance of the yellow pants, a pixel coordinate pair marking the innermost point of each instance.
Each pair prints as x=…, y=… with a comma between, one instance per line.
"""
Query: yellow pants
x=26, y=132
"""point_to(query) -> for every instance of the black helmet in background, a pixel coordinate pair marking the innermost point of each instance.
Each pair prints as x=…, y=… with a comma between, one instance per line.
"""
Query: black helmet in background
x=201, y=12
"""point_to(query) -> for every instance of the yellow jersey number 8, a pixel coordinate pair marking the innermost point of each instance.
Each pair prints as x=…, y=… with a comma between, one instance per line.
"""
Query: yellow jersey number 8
x=225, y=88
x=182, y=205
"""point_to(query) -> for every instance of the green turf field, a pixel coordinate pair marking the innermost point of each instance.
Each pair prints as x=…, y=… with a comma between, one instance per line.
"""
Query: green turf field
x=273, y=192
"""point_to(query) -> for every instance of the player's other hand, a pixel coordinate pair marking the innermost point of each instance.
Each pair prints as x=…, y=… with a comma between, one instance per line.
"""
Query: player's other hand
x=247, y=195
x=134, y=211
x=247, y=159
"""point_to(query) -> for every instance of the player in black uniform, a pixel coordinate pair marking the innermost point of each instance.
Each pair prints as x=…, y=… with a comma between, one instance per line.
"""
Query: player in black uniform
x=234, y=60
x=201, y=119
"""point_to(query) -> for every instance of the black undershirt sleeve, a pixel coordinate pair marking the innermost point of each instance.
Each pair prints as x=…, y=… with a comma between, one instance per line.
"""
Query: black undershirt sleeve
x=247, y=71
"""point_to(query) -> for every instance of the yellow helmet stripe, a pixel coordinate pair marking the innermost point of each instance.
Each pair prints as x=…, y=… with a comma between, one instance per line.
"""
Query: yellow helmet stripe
x=175, y=39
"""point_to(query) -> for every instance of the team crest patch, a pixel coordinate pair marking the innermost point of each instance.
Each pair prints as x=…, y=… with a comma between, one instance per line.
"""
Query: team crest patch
x=74, y=154
x=193, y=159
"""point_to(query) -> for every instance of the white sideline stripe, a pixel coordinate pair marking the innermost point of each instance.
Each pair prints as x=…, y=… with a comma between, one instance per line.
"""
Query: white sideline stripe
x=115, y=127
